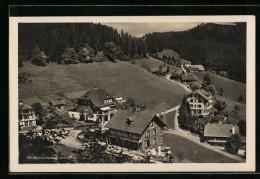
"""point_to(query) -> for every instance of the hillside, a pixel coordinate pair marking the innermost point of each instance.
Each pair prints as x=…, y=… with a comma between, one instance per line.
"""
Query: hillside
x=217, y=47
x=121, y=79
x=232, y=89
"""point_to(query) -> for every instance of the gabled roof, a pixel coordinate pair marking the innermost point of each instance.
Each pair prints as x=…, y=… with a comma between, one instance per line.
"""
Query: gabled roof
x=189, y=76
x=24, y=106
x=220, y=130
x=97, y=96
x=197, y=67
x=139, y=121
x=203, y=93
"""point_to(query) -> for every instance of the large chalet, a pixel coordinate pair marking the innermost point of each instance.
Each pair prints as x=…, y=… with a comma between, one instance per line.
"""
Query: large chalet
x=27, y=116
x=136, y=130
x=96, y=104
x=200, y=102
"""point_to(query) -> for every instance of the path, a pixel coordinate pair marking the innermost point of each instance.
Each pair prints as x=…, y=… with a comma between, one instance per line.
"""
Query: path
x=196, y=139
x=182, y=85
x=71, y=141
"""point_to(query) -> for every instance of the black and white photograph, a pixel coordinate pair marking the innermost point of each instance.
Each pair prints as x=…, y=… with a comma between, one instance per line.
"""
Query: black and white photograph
x=159, y=92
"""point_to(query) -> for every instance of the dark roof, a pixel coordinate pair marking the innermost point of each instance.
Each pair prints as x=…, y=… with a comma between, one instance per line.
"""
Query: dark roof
x=203, y=93
x=178, y=71
x=24, y=106
x=189, y=76
x=220, y=130
x=140, y=121
x=97, y=96
x=197, y=67
x=55, y=101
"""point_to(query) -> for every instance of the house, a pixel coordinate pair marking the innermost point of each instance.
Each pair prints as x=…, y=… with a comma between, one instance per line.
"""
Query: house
x=57, y=103
x=183, y=63
x=175, y=74
x=136, y=130
x=200, y=102
x=27, y=116
x=96, y=104
x=217, y=134
x=196, y=68
x=188, y=77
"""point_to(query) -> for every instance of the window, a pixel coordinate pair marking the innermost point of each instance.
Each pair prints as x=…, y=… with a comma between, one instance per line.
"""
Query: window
x=154, y=132
x=199, y=106
x=147, y=143
x=154, y=141
x=147, y=134
x=191, y=105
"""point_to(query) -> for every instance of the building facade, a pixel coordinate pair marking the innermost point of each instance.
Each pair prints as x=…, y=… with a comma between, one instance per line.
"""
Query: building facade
x=138, y=132
x=200, y=103
x=27, y=116
x=217, y=134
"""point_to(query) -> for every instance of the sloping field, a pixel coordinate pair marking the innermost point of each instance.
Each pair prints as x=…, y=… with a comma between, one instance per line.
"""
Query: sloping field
x=232, y=89
x=121, y=79
x=193, y=151
x=168, y=53
x=151, y=62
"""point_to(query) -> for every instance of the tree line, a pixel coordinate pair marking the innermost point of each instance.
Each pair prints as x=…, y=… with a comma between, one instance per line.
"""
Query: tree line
x=75, y=42
x=217, y=47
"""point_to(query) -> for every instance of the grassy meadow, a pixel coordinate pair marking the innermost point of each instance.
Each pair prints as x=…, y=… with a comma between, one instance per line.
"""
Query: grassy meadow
x=121, y=79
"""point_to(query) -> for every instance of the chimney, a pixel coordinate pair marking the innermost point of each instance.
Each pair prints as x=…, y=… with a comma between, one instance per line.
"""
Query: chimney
x=20, y=102
x=233, y=130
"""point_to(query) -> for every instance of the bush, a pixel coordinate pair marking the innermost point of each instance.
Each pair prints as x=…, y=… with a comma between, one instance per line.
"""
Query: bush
x=220, y=105
x=233, y=143
x=125, y=58
x=211, y=89
x=207, y=79
x=146, y=66
x=241, y=98
x=242, y=127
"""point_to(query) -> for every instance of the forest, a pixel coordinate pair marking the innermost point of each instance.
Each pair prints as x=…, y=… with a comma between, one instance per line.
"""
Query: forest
x=217, y=47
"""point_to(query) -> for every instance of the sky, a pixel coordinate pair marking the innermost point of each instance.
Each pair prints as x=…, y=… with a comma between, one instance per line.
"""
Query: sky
x=139, y=29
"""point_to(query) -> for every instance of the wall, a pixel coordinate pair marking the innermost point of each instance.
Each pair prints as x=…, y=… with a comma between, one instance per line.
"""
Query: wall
x=158, y=136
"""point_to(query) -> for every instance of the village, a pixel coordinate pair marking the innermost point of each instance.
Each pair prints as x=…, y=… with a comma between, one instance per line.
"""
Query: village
x=94, y=121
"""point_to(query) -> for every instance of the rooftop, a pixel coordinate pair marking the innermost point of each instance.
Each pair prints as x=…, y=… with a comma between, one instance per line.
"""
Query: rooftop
x=24, y=106
x=135, y=122
x=220, y=130
x=97, y=96
x=199, y=67
x=189, y=76
x=203, y=93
